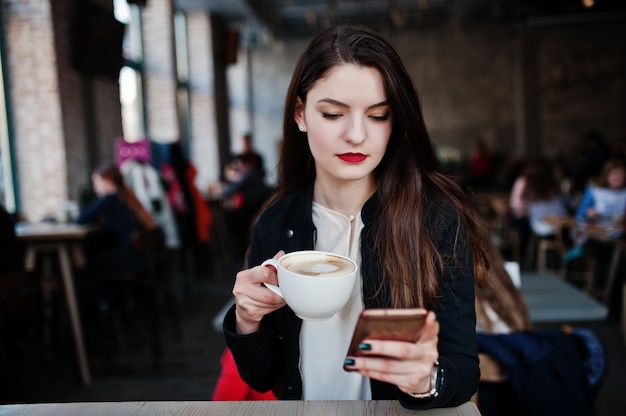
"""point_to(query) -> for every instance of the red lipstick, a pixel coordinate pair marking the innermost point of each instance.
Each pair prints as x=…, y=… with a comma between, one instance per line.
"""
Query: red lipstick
x=352, y=157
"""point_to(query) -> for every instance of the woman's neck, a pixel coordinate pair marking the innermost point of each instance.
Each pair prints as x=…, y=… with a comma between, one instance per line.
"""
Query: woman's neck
x=347, y=198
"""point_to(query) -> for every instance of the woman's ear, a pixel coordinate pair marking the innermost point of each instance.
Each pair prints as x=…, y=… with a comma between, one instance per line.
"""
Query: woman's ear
x=298, y=115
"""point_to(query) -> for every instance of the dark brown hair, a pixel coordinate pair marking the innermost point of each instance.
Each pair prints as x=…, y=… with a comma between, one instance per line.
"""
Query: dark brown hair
x=502, y=296
x=542, y=183
x=407, y=174
x=111, y=172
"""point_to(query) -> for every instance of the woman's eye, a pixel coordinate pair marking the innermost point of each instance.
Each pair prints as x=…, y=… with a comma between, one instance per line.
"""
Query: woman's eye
x=380, y=117
x=331, y=116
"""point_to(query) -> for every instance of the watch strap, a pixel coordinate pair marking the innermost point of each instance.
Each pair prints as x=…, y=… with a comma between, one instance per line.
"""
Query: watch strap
x=436, y=377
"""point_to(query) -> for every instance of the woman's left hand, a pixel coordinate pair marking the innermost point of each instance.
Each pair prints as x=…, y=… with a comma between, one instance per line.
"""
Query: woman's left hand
x=407, y=365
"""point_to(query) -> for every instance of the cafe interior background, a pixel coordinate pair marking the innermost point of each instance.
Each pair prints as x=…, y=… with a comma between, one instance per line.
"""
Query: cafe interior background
x=530, y=77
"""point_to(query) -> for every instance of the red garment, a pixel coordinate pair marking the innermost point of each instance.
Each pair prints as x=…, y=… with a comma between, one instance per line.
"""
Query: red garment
x=204, y=216
x=480, y=164
x=230, y=386
x=175, y=194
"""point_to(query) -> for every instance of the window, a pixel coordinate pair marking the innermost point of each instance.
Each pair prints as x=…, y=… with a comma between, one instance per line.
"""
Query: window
x=8, y=196
x=131, y=76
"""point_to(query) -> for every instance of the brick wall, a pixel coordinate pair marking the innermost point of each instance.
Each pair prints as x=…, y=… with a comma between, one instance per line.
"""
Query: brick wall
x=70, y=90
x=49, y=106
x=204, y=148
x=582, y=81
x=35, y=104
x=159, y=71
x=160, y=86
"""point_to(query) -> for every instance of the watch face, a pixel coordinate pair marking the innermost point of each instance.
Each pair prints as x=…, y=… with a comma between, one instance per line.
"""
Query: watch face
x=438, y=381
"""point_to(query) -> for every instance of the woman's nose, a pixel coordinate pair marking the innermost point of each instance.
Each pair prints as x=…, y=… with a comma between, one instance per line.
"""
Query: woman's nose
x=356, y=131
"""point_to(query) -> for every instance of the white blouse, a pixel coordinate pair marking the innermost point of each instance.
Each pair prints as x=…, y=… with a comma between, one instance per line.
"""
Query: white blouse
x=324, y=344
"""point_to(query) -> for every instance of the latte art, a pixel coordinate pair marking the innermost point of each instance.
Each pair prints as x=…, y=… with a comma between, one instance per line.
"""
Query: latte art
x=314, y=284
x=318, y=265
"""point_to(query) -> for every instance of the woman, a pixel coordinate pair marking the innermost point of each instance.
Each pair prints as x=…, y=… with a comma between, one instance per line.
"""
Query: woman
x=358, y=176
x=542, y=195
x=606, y=199
x=120, y=214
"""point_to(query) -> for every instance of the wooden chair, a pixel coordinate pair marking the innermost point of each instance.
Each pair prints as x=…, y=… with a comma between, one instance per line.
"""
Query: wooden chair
x=152, y=286
x=490, y=372
x=539, y=248
x=504, y=235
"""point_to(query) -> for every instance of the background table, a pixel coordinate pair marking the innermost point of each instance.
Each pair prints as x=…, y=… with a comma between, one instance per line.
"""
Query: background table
x=64, y=240
x=268, y=408
x=551, y=299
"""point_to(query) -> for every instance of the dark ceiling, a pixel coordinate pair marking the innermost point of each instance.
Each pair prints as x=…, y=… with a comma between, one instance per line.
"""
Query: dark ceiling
x=303, y=18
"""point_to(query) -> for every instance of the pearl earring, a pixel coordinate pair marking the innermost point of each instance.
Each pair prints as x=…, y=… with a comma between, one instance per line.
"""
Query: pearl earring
x=301, y=128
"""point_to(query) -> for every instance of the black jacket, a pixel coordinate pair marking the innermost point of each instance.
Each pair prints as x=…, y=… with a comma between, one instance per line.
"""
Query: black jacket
x=268, y=359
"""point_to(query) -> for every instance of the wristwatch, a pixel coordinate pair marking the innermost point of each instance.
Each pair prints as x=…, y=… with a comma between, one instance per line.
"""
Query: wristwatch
x=436, y=381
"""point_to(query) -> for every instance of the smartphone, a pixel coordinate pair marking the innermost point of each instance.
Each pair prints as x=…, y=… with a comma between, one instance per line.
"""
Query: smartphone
x=387, y=324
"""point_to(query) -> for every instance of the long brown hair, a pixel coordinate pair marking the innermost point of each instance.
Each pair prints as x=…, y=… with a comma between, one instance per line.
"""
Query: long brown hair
x=112, y=173
x=502, y=296
x=406, y=176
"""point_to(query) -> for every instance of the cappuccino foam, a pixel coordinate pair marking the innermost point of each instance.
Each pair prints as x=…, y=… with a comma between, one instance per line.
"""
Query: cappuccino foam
x=318, y=265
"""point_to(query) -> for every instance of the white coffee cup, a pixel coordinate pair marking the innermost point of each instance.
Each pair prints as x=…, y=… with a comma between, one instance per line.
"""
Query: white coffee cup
x=315, y=284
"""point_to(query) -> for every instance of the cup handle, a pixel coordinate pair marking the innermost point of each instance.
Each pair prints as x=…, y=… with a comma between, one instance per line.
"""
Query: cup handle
x=272, y=264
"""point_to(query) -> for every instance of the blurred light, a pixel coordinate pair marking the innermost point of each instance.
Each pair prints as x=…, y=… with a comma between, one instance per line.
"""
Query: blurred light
x=121, y=10
x=588, y=3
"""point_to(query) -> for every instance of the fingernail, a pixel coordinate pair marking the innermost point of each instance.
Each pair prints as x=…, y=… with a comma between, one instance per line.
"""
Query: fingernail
x=348, y=361
x=365, y=347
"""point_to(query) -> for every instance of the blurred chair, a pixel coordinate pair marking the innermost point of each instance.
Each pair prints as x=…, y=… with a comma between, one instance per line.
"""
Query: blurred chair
x=20, y=307
x=498, y=215
x=501, y=228
x=540, y=248
x=148, y=292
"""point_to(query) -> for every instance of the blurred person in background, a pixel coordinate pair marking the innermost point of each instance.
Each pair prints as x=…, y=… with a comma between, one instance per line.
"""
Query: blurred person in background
x=118, y=212
x=536, y=193
x=542, y=195
x=602, y=209
x=605, y=198
x=481, y=165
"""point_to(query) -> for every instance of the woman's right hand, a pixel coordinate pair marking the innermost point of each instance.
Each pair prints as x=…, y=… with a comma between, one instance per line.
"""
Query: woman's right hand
x=253, y=300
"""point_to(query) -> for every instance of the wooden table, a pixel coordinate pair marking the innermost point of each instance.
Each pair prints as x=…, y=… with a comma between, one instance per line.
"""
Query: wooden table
x=269, y=408
x=551, y=299
x=560, y=221
x=64, y=240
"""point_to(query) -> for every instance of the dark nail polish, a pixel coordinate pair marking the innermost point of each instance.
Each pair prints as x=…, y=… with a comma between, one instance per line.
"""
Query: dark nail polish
x=348, y=361
x=365, y=347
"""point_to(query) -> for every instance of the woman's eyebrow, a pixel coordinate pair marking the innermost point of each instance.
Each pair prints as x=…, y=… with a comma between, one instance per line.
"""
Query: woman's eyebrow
x=333, y=102
x=341, y=104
